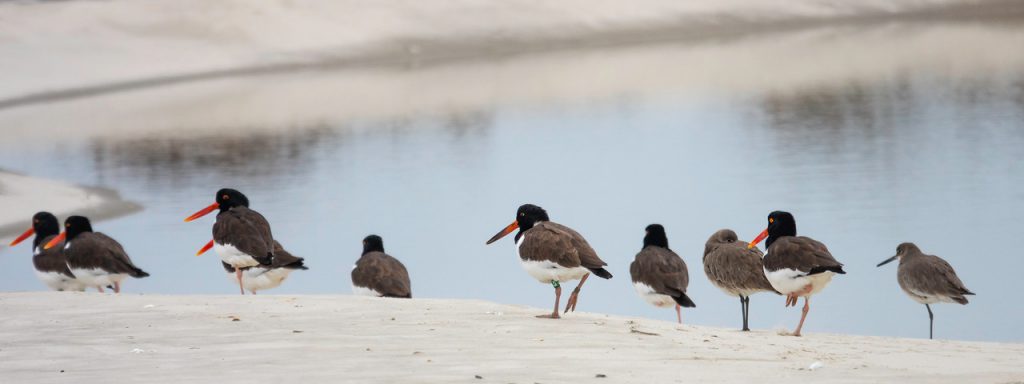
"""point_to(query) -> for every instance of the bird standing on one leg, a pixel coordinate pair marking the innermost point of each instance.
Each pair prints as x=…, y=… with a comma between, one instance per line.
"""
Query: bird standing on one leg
x=927, y=279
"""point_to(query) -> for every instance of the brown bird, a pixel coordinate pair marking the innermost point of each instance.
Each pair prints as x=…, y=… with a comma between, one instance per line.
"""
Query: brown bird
x=94, y=258
x=659, y=275
x=735, y=268
x=552, y=253
x=796, y=266
x=51, y=265
x=378, y=274
x=927, y=279
x=241, y=236
x=263, y=277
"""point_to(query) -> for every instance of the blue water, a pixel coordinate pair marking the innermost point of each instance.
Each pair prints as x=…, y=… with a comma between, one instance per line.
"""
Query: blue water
x=865, y=164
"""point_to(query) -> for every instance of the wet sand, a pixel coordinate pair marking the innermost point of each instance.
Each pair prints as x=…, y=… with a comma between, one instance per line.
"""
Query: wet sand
x=22, y=196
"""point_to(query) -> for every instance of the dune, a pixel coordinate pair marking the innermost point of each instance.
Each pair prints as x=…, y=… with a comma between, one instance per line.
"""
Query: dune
x=51, y=337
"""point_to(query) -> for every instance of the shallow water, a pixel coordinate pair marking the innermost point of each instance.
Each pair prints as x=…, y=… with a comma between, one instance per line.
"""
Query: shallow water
x=871, y=136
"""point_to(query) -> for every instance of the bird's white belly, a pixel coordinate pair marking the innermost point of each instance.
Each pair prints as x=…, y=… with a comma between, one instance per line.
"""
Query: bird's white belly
x=60, y=282
x=258, y=279
x=547, y=271
x=363, y=291
x=733, y=291
x=649, y=295
x=95, y=277
x=787, y=281
x=235, y=258
x=926, y=298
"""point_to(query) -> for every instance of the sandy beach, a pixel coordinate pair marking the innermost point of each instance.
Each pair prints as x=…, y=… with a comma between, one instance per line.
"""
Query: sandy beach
x=76, y=337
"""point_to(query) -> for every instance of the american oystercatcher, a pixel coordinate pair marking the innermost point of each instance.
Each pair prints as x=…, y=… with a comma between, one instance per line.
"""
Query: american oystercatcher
x=659, y=275
x=552, y=253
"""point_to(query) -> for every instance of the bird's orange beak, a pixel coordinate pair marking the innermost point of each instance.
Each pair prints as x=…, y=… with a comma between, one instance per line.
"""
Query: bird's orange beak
x=23, y=236
x=511, y=227
x=56, y=239
x=758, y=239
x=202, y=212
x=205, y=248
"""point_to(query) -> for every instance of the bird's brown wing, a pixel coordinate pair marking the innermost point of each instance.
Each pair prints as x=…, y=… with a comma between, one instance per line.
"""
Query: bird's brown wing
x=933, y=276
x=284, y=259
x=661, y=269
x=802, y=254
x=382, y=273
x=246, y=230
x=51, y=260
x=734, y=265
x=549, y=242
x=97, y=250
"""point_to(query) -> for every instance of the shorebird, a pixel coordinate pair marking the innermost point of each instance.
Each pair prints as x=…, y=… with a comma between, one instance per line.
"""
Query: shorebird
x=927, y=279
x=659, y=275
x=378, y=274
x=735, y=268
x=94, y=258
x=241, y=236
x=796, y=266
x=51, y=266
x=552, y=253
x=263, y=277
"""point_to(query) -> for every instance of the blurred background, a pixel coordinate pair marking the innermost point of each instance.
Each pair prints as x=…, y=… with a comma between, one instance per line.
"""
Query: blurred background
x=429, y=122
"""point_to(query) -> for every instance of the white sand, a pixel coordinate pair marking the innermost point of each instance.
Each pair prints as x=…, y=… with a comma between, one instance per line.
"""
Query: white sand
x=53, y=46
x=75, y=337
x=22, y=196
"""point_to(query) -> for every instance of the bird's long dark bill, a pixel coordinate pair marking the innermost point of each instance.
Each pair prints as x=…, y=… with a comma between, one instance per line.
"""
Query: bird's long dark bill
x=887, y=261
x=202, y=212
x=511, y=227
x=55, y=240
x=205, y=248
x=758, y=239
x=23, y=236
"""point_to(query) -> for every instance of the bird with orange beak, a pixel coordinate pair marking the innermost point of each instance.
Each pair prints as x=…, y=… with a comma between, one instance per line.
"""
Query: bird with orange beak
x=96, y=260
x=796, y=266
x=50, y=264
x=552, y=253
x=241, y=236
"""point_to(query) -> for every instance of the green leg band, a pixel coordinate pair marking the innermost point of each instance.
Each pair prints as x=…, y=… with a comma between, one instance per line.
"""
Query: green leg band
x=554, y=283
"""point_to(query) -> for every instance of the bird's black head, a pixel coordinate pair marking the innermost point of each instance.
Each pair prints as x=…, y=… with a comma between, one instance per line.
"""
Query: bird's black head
x=655, y=235
x=76, y=225
x=228, y=198
x=780, y=224
x=44, y=224
x=373, y=243
x=529, y=215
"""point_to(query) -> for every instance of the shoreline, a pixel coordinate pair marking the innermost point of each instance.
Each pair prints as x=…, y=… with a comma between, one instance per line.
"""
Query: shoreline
x=331, y=338
x=31, y=194
x=421, y=45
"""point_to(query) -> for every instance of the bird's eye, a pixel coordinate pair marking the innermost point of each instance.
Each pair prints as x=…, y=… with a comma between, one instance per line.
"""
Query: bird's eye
x=35, y=221
x=67, y=225
x=226, y=197
x=771, y=220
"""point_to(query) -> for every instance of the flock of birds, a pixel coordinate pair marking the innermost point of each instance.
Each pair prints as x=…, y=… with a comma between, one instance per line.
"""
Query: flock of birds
x=795, y=266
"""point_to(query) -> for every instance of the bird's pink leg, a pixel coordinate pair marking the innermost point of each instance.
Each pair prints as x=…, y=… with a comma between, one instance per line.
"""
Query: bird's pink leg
x=558, y=295
x=679, y=314
x=252, y=292
x=117, y=287
x=571, y=305
x=238, y=274
x=807, y=308
x=99, y=288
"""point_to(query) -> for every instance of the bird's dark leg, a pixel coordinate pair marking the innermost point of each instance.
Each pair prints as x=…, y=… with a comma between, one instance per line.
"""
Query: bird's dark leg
x=558, y=295
x=238, y=274
x=931, y=321
x=745, y=305
x=571, y=305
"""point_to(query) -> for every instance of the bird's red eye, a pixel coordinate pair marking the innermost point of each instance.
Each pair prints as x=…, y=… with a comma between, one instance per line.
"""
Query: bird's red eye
x=226, y=197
